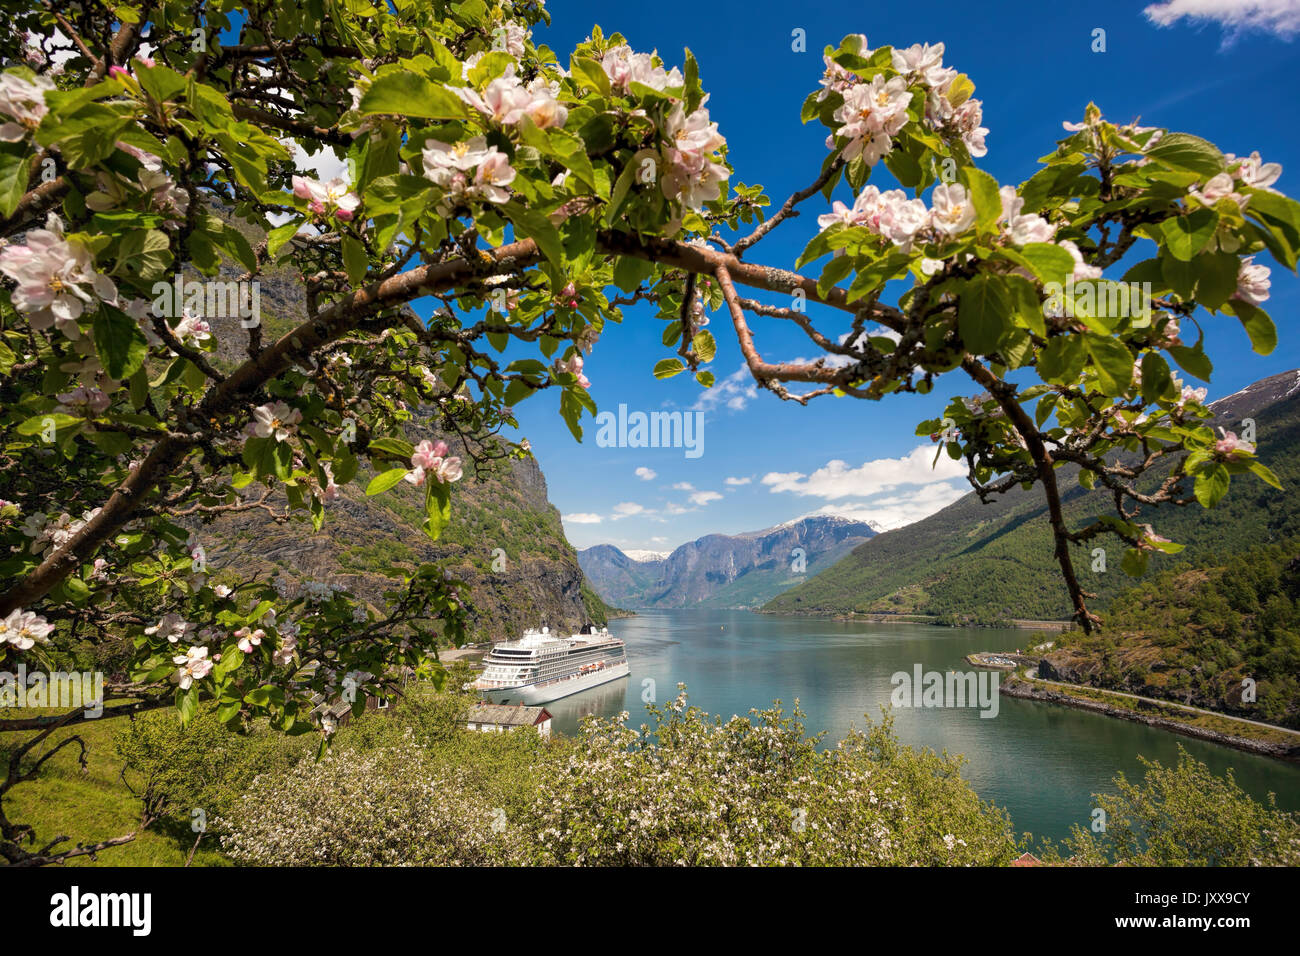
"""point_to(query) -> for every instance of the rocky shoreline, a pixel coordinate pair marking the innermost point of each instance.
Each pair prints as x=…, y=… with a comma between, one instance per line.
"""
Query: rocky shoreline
x=1029, y=691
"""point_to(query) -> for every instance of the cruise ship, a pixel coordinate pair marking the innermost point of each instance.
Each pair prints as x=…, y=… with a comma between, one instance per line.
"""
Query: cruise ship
x=541, y=666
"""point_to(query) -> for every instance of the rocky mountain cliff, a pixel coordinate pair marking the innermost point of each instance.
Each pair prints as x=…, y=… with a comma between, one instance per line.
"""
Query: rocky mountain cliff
x=502, y=518
x=721, y=570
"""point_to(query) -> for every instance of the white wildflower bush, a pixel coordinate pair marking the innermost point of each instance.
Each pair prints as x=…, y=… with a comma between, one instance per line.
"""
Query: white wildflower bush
x=693, y=790
x=525, y=196
x=382, y=807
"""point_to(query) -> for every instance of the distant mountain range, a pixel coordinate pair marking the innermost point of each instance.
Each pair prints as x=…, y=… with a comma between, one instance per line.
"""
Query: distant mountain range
x=977, y=563
x=719, y=570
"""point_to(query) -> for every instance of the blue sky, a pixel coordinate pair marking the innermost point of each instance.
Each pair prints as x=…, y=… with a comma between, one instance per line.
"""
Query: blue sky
x=1033, y=67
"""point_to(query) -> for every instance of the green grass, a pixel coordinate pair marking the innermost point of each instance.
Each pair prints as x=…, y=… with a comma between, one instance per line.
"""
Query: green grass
x=95, y=804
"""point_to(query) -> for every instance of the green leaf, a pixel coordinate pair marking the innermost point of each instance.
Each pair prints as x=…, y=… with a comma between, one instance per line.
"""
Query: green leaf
x=121, y=345
x=1062, y=360
x=277, y=237
x=629, y=272
x=983, y=314
x=1212, y=485
x=1134, y=563
x=1259, y=326
x=1184, y=151
x=395, y=447
x=1048, y=261
x=704, y=346
x=14, y=163
x=1216, y=278
x=1193, y=361
x=385, y=480
x=1185, y=236
x=1156, y=380
x=1113, y=362
x=355, y=260
x=984, y=194
x=404, y=93
x=667, y=368
x=1262, y=471
x=534, y=225
x=590, y=72
x=437, y=508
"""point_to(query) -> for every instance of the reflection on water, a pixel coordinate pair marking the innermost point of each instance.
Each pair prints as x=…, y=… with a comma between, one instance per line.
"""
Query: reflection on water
x=1040, y=761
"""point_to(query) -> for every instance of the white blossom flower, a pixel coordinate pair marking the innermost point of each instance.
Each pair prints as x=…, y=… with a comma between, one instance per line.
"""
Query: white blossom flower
x=57, y=281
x=24, y=629
x=1252, y=282
x=193, y=665
x=23, y=101
x=276, y=420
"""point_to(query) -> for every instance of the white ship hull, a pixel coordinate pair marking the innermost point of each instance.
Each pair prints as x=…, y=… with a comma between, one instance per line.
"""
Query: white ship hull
x=556, y=689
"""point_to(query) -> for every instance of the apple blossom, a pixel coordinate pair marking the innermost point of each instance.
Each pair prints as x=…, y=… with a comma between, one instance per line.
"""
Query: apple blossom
x=427, y=455
x=247, y=640
x=952, y=210
x=173, y=627
x=1082, y=270
x=25, y=629
x=193, y=665
x=93, y=400
x=276, y=420
x=23, y=101
x=334, y=197
x=1255, y=172
x=449, y=469
x=283, y=655
x=56, y=279
x=574, y=367
x=1252, y=282
x=624, y=67
x=1150, y=539
x=1230, y=446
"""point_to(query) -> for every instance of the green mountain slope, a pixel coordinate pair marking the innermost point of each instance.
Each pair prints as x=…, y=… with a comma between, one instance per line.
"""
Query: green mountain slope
x=977, y=563
x=1194, y=633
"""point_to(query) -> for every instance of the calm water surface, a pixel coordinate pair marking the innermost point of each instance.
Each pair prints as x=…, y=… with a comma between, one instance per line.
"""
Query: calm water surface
x=1040, y=761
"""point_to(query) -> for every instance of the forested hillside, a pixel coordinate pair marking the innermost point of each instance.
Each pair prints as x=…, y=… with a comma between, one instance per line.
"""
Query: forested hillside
x=1194, y=633
x=977, y=563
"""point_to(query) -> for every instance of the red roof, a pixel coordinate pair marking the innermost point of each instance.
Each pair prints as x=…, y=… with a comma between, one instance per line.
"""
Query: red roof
x=1026, y=859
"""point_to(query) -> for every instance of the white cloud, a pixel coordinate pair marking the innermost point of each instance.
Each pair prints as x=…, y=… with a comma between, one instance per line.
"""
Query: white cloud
x=704, y=497
x=626, y=509
x=737, y=482
x=735, y=392
x=646, y=474
x=895, y=511
x=836, y=479
x=582, y=517
x=325, y=164
x=683, y=486
x=1281, y=17
x=888, y=492
x=672, y=508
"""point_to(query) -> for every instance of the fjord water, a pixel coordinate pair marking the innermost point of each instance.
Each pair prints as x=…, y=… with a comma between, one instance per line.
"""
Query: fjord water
x=1042, y=762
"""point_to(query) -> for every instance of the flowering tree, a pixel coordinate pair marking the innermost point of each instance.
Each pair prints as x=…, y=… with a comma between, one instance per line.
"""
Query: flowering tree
x=529, y=198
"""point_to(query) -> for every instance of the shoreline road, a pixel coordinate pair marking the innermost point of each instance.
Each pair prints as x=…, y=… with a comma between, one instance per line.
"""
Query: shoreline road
x=1032, y=674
